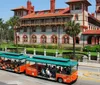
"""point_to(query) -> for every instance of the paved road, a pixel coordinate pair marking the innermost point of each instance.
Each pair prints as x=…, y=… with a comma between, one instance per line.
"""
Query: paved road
x=92, y=69
x=21, y=79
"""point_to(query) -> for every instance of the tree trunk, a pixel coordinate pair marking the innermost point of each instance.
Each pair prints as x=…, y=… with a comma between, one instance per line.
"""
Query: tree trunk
x=74, y=46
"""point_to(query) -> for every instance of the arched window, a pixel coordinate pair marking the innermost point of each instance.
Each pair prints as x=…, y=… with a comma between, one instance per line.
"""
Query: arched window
x=43, y=39
x=18, y=38
x=77, y=40
x=65, y=39
x=99, y=8
x=34, y=39
x=54, y=39
x=25, y=38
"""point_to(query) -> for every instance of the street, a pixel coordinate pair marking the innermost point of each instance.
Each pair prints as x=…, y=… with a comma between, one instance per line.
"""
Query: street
x=20, y=79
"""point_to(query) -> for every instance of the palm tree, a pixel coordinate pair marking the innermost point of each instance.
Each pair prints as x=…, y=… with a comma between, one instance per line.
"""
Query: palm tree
x=12, y=22
x=1, y=30
x=72, y=29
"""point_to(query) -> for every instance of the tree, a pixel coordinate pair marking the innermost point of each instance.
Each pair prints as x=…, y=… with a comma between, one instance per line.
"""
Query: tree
x=72, y=29
x=12, y=22
x=1, y=30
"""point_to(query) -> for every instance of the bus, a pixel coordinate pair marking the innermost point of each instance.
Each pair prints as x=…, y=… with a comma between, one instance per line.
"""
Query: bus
x=53, y=68
x=13, y=62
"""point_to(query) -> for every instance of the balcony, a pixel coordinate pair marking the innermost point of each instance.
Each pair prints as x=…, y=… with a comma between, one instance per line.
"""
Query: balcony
x=44, y=24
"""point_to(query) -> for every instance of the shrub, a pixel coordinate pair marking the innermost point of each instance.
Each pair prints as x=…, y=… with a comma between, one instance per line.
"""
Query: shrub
x=41, y=53
x=71, y=48
x=94, y=48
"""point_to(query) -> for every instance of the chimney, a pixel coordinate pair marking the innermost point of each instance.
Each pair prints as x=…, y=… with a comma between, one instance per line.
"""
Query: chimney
x=93, y=14
x=52, y=6
x=30, y=7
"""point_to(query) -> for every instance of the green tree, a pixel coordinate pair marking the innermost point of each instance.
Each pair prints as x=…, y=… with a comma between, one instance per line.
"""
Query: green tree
x=12, y=22
x=72, y=29
x=1, y=29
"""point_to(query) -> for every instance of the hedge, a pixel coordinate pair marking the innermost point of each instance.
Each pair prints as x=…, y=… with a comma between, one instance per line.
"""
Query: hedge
x=41, y=53
x=38, y=46
x=95, y=48
x=71, y=48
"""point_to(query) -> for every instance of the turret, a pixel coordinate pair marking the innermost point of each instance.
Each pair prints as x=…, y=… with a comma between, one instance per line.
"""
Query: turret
x=30, y=7
x=98, y=9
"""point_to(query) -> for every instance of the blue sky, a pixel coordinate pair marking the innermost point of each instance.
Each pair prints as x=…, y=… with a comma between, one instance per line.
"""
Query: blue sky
x=7, y=5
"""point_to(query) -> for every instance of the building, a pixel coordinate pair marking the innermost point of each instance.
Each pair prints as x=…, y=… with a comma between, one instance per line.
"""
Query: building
x=47, y=26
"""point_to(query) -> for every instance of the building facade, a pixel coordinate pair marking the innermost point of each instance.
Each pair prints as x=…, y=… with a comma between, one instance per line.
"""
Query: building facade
x=48, y=26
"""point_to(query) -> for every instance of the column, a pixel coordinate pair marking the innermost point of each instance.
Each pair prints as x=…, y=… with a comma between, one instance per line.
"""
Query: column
x=44, y=52
x=89, y=55
x=34, y=51
x=98, y=57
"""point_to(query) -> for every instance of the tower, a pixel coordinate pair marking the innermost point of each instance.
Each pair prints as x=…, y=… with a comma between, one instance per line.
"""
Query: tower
x=30, y=7
x=98, y=9
x=79, y=9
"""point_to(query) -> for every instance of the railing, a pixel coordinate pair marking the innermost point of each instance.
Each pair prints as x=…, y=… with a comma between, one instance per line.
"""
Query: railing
x=44, y=24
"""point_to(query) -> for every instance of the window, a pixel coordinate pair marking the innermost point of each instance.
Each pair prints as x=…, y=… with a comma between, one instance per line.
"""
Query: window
x=72, y=6
x=76, y=16
x=56, y=11
x=36, y=13
x=25, y=38
x=54, y=29
x=18, y=39
x=43, y=39
x=18, y=30
x=99, y=8
x=25, y=29
x=33, y=30
x=34, y=39
x=32, y=21
x=65, y=39
x=63, y=27
x=78, y=7
x=43, y=29
x=54, y=39
x=45, y=12
x=77, y=40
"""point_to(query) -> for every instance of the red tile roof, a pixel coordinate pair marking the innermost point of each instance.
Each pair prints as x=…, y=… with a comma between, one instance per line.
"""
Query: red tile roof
x=20, y=8
x=88, y=32
x=91, y=16
x=72, y=1
x=46, y=13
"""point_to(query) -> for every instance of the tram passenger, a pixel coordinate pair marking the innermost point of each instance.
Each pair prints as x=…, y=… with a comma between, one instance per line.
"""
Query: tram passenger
x=43, y=73
x=54, y=71
x=59, y=70
x=50, y=68
x=48, y=72
x=68, y=71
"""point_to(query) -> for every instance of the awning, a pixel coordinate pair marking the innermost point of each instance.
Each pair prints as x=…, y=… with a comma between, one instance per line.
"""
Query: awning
x=13, y=55
x=91, y=32
x=52, y=60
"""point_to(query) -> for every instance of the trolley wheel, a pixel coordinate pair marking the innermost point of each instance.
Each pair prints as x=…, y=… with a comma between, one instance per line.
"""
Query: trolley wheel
x=60, y=80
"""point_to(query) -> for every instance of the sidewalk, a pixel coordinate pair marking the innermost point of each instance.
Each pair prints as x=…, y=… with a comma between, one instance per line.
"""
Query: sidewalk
x=96, y=65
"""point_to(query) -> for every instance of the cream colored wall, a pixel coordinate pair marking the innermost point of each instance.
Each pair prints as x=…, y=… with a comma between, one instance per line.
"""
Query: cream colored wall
x=98, y=16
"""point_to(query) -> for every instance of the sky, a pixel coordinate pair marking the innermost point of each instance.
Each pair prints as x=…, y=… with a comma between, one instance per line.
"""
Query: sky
x=7, y=5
